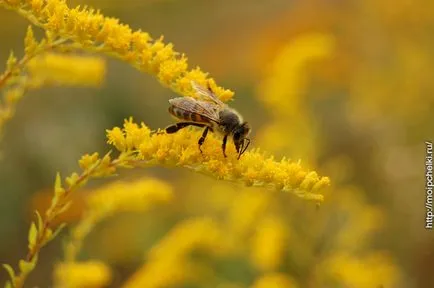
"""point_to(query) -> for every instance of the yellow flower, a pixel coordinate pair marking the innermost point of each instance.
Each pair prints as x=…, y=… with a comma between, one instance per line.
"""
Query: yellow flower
x=60, y=69
x=168, y=263
x=188, y=235
x=283, y=93
x=180, y=149
x=268, y=244
x=116, y=138
x=81, y=275
x=373, y=270
x=242, y=218
x=40, y=67
x=91, y=31
x=274, y=280
x=133, y=196
x=87, y=161
x=170, y=70
x=86, y=29
x=114, y=198
x=283, y=89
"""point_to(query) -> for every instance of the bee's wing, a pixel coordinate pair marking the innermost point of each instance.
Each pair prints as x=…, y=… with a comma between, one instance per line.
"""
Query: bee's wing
x=207, y=93
x=206, y=109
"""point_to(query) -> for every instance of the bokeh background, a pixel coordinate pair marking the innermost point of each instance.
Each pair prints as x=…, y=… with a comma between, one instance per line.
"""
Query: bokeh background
x=344, y=86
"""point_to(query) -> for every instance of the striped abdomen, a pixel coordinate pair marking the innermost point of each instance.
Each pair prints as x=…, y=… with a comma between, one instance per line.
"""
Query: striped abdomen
x=188, y=115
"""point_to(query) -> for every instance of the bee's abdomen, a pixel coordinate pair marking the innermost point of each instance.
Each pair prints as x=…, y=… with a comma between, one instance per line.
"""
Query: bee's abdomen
x=187, y=115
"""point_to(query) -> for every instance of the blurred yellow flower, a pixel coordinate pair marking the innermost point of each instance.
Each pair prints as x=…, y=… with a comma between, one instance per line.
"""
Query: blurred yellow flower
x=268, y=244
x=40, y=67
x=82, y=274
x=362, y=271
x=190, y=234
x=116, y=197
x=274, y=280
x=168, y=263
x=283, y=92
x=348, y=259
x=67, y=69
x=283, y=88
x=129, y=196
x=246, y=210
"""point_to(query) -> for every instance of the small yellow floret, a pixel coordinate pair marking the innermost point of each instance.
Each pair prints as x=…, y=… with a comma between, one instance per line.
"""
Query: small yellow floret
x=87, y=161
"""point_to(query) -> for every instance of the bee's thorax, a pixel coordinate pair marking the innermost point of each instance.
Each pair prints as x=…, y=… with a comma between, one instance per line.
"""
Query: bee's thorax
x=229, y=120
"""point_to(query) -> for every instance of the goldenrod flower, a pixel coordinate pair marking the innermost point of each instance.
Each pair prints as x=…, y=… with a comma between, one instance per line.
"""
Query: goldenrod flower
x=373, y=270
x=268, y=244
x=114, y=198
x=86, y=29
x=129, y=196
x=82, y=274
x=168, y=262
x=283, y=89
x=243, y=218
x=282, y=92
x=180, y=149
x=274, y=280
x=39, y=67
x=60, y=69
x=91, y=31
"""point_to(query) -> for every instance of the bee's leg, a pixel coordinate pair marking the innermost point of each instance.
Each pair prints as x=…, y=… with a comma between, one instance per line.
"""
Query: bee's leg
x=225, y=139
x=177, y=126
x=202, y=138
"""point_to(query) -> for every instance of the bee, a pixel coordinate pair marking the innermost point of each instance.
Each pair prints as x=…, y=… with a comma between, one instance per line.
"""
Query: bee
x=213, y=115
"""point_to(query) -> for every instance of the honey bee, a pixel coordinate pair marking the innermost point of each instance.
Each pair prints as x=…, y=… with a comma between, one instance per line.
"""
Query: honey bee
x=211, y=114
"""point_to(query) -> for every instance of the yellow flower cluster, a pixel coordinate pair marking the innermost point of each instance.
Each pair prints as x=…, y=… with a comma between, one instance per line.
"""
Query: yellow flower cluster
x=274, y=280
x=82, y=274
x=114, y=198
x=39, y=67
x=171, y=255
x=282, y=91
x=66, y=70
x=351, y=242
x=288, y=77
x=243, y=218
x=129, y=196
x=88, y=29
x=268, y=244
x=382, y=270
x=139, y=147
x=180, y=150
x=41, y=231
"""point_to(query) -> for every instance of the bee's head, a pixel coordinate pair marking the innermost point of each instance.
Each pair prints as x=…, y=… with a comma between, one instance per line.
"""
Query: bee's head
x=241, y=141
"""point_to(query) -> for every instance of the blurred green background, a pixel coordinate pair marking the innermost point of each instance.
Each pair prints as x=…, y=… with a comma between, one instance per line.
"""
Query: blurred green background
x=361, y=115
